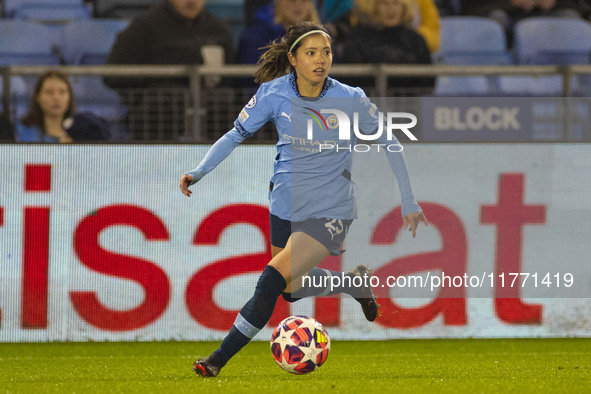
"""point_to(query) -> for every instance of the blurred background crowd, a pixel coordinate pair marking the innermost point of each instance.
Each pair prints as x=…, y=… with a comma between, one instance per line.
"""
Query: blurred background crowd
x=54, y=104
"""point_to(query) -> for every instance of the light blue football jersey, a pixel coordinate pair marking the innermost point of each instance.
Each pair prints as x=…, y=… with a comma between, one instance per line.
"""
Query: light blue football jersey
x=311, y=179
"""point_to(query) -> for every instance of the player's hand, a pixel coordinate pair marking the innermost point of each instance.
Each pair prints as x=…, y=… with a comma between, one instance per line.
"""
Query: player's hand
x=185, y=183
x=412, y=220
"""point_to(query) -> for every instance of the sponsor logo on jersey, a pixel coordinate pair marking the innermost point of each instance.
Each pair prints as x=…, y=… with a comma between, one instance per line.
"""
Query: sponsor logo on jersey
x=243, y=115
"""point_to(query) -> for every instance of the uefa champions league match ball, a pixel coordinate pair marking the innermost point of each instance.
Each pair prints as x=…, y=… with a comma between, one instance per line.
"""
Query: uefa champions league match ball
x=300, y=344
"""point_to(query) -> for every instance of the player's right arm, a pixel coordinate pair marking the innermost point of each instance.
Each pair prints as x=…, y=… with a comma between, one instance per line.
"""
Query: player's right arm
x=254, y=115
x=216, y=154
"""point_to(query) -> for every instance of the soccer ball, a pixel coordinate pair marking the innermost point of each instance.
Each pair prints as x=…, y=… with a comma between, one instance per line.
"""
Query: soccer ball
x=300, y=344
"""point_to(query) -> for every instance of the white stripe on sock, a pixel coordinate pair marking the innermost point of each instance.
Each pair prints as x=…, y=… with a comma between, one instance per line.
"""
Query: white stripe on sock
x=245, y=327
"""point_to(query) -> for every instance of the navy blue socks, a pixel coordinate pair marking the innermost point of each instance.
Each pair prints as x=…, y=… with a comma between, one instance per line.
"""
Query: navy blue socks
x=253, y=316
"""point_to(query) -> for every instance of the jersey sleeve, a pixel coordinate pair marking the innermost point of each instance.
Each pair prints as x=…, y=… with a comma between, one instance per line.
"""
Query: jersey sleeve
x=255, y=113
x=368, y=123
x=216, y=154
x=368, y=113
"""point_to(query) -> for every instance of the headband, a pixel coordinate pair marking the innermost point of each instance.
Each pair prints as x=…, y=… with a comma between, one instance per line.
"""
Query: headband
x=304, y=35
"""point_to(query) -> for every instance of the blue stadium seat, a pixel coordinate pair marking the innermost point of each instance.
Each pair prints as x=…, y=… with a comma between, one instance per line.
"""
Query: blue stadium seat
x=470, y=41
x=93, y=96
x=18, y=92
x=52, y=13
x=31, y=59
x=11, y=6
x=560, y=57
x=549, y=86
x=483, y=58
x=553, y=41
x=21, y=90
x=23, y=42
x=461, y=86
x=90, y=41
x=467, y=40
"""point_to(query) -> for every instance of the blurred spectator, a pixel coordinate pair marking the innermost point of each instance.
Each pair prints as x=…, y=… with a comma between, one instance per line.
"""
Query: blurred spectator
x=342, y=27
x=250, y=9
x=425, y=20
x=174, y=32
x=334, y=9
x=427, y=23
x=51, y=117
x=271, y=22
x=509, y=12
x=389, y=39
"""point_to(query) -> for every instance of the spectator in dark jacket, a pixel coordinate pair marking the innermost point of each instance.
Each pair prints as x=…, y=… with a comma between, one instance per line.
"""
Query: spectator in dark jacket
x=389, y=39
x=51, y=116
x=172, y=33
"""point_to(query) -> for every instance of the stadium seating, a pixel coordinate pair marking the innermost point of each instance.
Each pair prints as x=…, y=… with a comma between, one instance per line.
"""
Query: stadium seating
x=12, y=6
x=18, y=87
x=231, y=12
x=23, y=42
x=21, y=89
x=469, y=40
x=530, y=86
x=51, y=13
x=93, y=96
x=90, y=41
x=553, y=41
x=461, y=86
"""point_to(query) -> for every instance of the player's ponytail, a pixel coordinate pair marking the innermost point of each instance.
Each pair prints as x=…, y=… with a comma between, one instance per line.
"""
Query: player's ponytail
x=274, y=62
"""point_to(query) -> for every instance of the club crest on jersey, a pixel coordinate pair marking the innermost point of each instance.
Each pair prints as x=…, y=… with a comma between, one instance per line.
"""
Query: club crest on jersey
x=332, y=121
x=252, y=102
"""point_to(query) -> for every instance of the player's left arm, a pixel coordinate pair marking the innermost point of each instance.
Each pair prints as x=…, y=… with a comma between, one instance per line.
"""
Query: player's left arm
x=412, y=214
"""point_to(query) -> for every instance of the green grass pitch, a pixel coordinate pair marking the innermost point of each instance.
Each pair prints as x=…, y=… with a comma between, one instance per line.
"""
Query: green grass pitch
x=498, y=365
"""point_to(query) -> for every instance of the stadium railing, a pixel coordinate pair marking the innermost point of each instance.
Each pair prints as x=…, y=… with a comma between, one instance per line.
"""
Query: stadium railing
x=208, y=99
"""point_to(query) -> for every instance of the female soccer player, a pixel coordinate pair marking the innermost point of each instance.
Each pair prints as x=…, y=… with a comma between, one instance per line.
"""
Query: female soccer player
x=312, y=201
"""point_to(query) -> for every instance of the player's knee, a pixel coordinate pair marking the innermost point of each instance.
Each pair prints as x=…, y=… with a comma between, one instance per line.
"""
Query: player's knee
x=287, y=297
x=270, y=284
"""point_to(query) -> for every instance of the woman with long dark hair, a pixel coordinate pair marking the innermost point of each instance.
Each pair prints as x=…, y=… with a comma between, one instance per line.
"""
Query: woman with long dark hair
x=52, y=103
x=312, y=198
